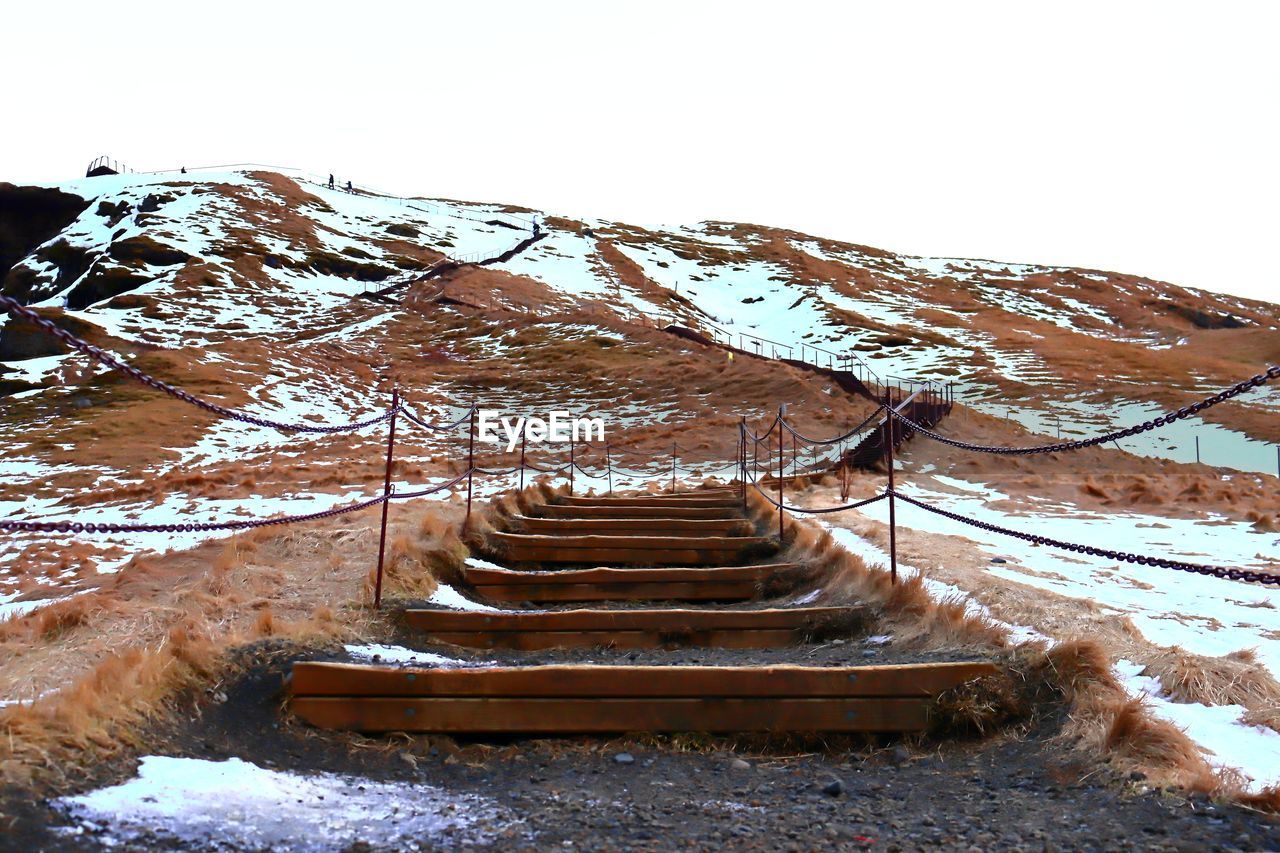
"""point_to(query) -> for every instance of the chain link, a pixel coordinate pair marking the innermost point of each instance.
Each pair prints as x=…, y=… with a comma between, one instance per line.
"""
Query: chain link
x=17, y=309
x=1122, y=556
x=13, y=526
x=822, y=511
x=1239, y=388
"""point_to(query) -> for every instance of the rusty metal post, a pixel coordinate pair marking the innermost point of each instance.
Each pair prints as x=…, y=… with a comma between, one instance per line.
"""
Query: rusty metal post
x=471, y=461
x=609, y=462
x=782, y=410
x=386, y=497
x=893, y=526
x=571, y=462
x=742, y=458
x=795, y=467
x=522, y=444
x=673, y=467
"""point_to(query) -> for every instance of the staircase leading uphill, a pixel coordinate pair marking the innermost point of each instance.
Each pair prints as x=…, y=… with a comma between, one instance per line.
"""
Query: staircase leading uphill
x=926, y=406
x=625, y=554
x=703, y=529
x=925, y=411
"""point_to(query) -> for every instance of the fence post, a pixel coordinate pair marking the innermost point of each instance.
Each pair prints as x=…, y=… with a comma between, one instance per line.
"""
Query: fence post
x=1197, y=449
x=673, y=467
x=471, y=461
x=522, y=441
x=386, y=497
x=782, y=410
x=572, y=461
x=742, y=468
x=893, y=526
x=795, y=466
x=608, y=458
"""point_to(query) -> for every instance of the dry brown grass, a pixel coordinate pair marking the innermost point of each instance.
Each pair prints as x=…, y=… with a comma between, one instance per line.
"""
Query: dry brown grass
x=111, y=661
x=497, y=513
x=1234, y=679
x=1107, y=724
x=1103, y=722
x=416, y=564
x=908, y=611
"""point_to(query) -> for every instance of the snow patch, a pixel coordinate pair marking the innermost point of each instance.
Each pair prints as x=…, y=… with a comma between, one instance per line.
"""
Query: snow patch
x=235, y=804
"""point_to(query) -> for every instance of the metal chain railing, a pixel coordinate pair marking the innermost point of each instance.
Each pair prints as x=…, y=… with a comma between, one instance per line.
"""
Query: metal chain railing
x=1122, y=556
x=17, y=309
x=9, y=525
x=1272, y=373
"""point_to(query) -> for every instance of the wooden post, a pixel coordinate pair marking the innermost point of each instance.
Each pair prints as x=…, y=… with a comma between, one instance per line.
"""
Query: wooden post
x=782, y=410
x=893, y=527
x=386, y=497
x=471, y=462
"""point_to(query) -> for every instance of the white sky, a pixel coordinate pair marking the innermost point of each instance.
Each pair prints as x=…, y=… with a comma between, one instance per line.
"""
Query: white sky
x=1134, y=136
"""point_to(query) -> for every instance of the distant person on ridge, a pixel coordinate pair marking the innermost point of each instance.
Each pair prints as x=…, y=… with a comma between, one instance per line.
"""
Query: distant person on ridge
x=331, y=180
x=184, y=170
x=348, y=186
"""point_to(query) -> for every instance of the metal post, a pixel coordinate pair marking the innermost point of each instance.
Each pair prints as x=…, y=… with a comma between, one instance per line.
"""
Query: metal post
x=742, y=457
x=522, y=442
x=795, y=468
x=1197, y=449
x=893, y=526
x=471, y=462
x=386, y=497
x=571, y=462
x=609, y=461
x=782, y=410
x=673, y=468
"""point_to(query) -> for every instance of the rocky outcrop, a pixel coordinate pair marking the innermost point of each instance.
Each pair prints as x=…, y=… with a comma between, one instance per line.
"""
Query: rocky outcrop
x=30, y=216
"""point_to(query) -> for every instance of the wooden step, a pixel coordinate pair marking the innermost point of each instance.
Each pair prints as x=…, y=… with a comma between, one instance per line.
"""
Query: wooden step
x=595, y=699
x=632, y=629
x=603, y=716
x=630, y=550
x=623, y=591
x=614, y=511
x=634, y=526
x=326, y=678
x=680, y=501
x=483, y=576
x=732, y=583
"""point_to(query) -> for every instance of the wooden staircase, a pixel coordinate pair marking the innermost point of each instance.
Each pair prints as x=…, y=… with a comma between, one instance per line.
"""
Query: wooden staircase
x=870, y=452
x=626, y=554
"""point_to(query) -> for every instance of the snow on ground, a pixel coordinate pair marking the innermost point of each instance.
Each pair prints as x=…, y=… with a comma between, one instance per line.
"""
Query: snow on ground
x=1217, y=729
x=234, y=804
x=376, y=653
x=873, y=555
x=1204, y=615
x=1083, y=418
x=447, y=596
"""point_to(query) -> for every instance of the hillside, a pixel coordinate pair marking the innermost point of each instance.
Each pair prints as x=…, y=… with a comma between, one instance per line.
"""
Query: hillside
x=272, y=294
